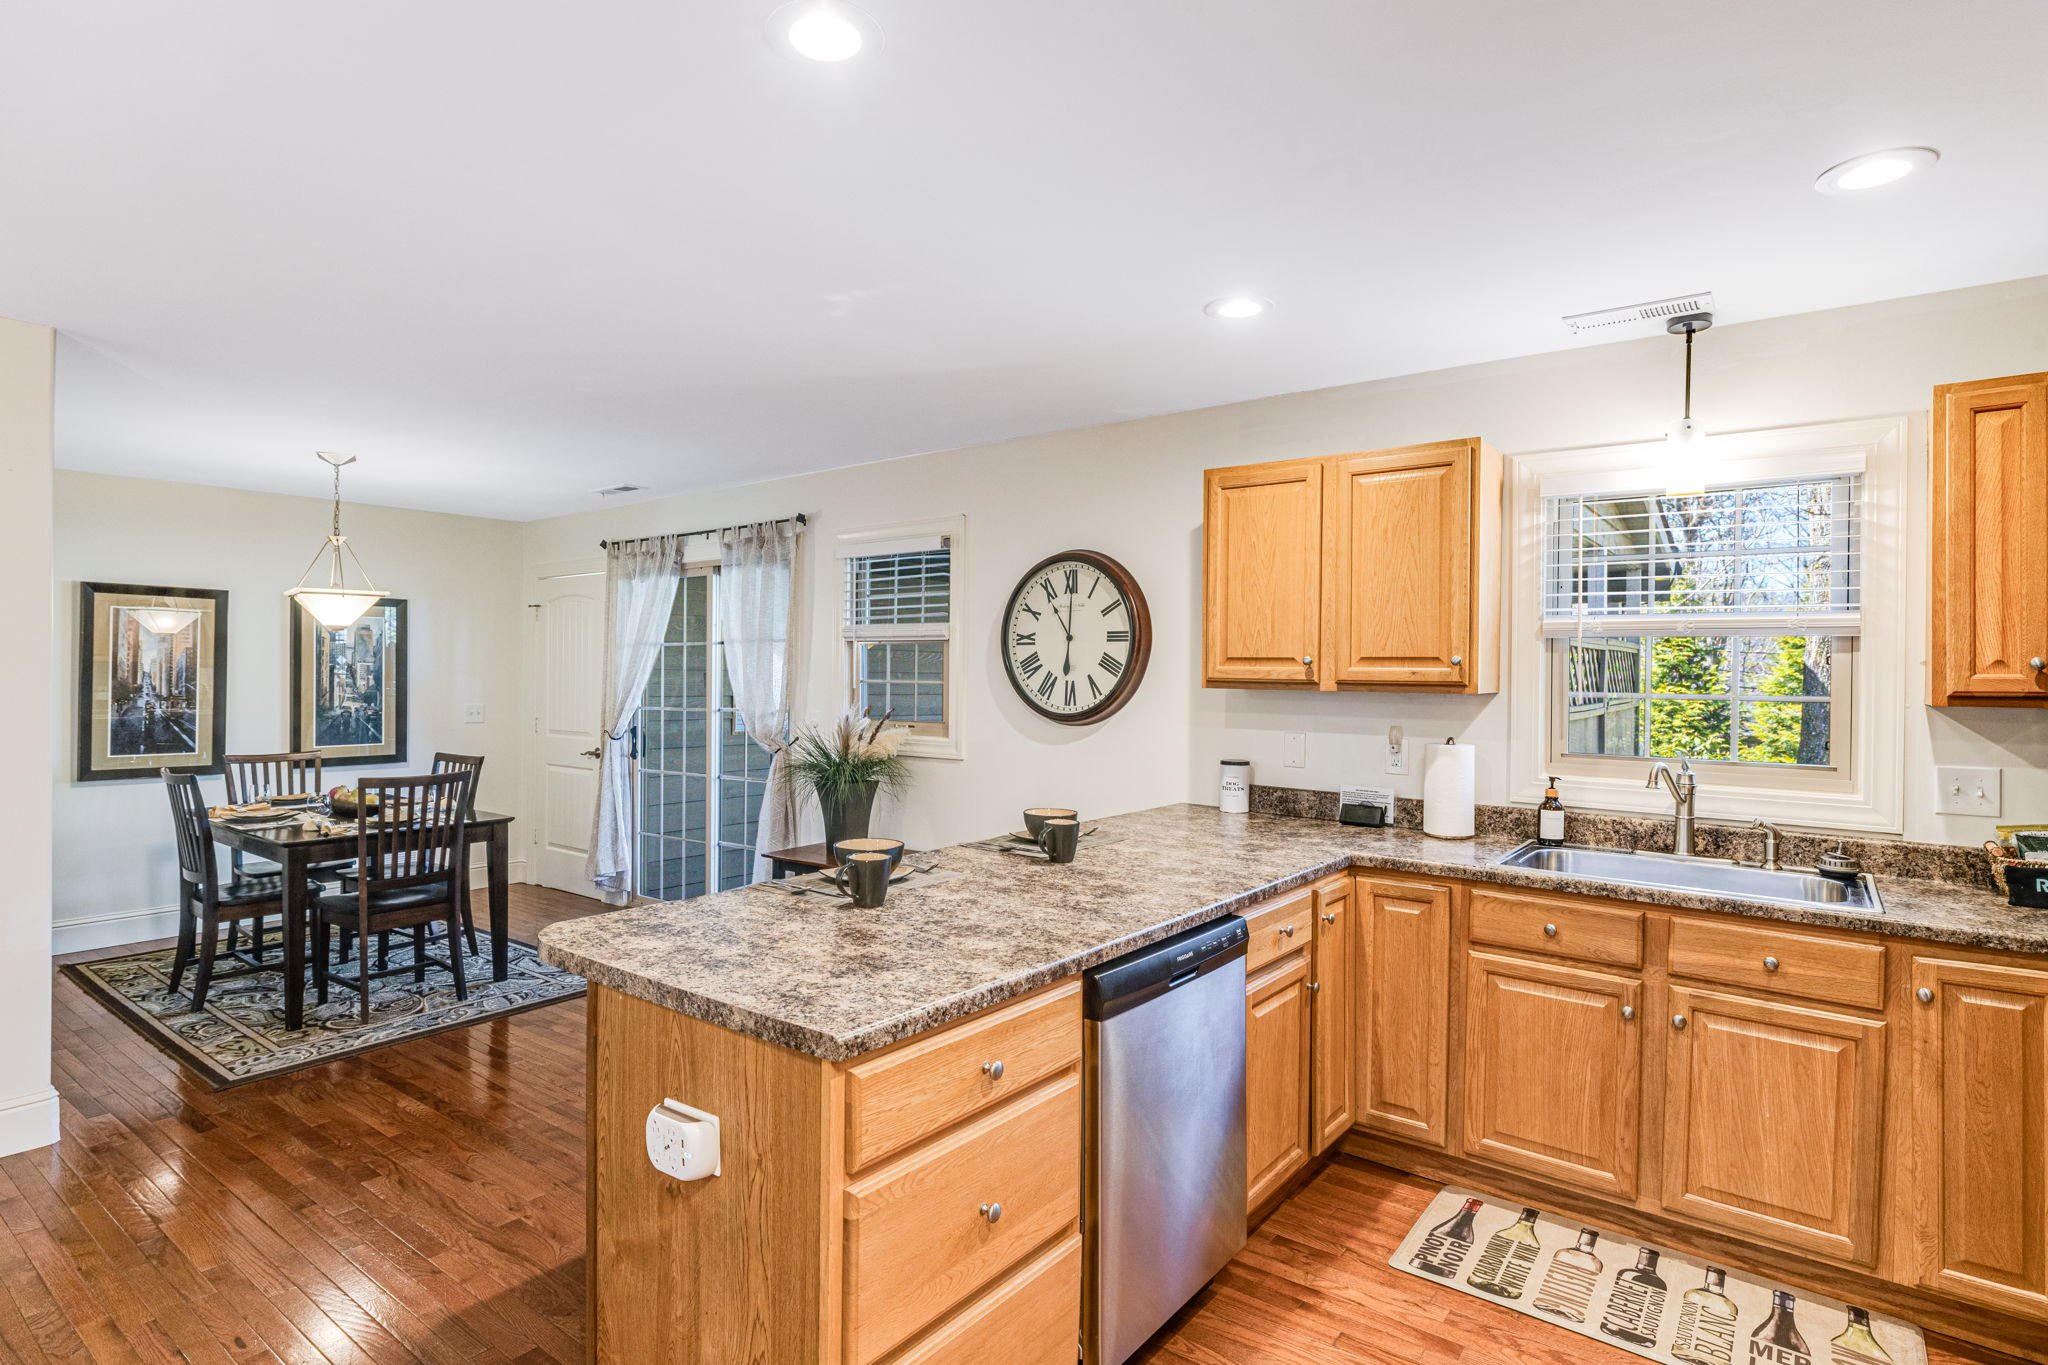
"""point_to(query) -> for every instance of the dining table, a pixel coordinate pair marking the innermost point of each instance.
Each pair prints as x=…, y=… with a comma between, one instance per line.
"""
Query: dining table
x=297, y=848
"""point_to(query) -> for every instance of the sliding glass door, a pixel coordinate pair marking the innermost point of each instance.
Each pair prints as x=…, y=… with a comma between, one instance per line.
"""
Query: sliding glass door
x=702, y=778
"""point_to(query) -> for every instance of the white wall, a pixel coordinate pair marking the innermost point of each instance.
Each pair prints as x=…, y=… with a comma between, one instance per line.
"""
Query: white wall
x=1133, y=490
x=116, y=866
x=28, y=1105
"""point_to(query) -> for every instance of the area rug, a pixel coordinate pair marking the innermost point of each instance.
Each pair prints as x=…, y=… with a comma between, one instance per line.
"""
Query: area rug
x=240, y=1036
x=1658, y=1304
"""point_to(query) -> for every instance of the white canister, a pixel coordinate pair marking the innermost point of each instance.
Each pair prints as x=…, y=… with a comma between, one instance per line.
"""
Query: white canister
x=1234, y=786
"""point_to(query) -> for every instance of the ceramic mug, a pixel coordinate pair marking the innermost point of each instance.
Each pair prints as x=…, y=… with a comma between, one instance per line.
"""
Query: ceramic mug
x=1036, y=816
x=892, y=849
x=1060, y=838
x=863, y=878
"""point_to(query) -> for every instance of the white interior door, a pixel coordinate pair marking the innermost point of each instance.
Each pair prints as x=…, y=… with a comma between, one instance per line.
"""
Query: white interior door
x=569, y=674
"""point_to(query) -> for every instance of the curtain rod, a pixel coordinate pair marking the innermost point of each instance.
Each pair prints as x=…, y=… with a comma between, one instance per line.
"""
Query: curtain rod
x=800, y=519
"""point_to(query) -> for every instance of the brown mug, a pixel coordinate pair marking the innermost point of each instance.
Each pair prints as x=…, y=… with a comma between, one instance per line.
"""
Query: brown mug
x=1036, y=816
x=863, y=878
x=1060, y=838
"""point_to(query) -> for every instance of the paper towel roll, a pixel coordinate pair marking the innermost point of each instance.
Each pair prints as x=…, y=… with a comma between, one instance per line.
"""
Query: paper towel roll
x=1449, y=791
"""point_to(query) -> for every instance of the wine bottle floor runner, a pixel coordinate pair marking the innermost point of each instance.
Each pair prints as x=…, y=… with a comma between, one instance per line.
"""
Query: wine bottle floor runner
x=1653, y=1303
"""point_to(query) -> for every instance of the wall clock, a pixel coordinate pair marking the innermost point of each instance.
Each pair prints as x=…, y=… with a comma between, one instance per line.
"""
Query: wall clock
x=1076, y=637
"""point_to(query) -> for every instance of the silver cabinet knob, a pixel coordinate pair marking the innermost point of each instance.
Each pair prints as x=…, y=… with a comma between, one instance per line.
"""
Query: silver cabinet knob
x=1307, y=660
x=1678, y=1022
x=1330, y=917
x=1315, y=988
x=1770, y=964
x=1287, y=931
x=1924, y=996
x=1550, y=931
x=2037, y=663
x=992, y=1212
x=1628, y=1012
x=1457, y=660
x=992, y=1070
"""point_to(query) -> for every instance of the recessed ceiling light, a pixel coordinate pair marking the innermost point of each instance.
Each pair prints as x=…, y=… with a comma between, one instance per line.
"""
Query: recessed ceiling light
x=1237, y=307
x=1873, y=169
x=823, y=30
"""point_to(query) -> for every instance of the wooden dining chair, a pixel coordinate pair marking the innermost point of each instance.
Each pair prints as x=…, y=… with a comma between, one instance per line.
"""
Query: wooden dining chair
x=263, y=777
x=204, y=904
x=412, y=872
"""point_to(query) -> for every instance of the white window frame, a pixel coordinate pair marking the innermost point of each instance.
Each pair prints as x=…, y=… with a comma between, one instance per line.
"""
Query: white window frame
x=880, y=540
x=1864, y=787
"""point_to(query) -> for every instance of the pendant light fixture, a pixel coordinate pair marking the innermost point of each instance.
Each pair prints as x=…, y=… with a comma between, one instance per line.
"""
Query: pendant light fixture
x=337, y=605
x=1686, y=457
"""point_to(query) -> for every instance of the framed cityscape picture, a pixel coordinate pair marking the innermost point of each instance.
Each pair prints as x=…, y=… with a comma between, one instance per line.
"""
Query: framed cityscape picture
x=152, y=680
x=348, y=687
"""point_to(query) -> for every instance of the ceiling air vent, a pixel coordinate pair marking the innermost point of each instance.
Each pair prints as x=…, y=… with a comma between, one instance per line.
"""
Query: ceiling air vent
x=1643, y=317
x=618, y=488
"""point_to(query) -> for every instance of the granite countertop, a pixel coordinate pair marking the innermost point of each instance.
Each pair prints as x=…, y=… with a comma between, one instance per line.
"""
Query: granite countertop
x=816, y=975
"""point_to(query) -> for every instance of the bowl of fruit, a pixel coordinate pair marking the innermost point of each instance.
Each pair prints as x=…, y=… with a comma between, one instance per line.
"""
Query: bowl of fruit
x=350, y=804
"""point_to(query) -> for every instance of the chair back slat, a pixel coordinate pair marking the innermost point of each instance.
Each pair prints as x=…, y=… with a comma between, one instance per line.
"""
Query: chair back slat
x=473, y=764
x=195, y=836
x=420, y=832
x=259, y=777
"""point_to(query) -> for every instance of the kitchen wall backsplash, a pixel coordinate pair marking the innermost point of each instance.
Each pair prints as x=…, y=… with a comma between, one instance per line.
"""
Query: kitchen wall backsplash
x=1880, y=857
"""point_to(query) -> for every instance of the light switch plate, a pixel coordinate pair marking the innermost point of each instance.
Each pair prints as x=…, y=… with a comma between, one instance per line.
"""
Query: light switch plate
x=1966, y=791
x=1297, y=751
x=473, y=714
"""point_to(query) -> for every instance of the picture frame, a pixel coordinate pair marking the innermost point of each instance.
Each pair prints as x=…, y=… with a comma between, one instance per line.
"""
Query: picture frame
x=152, y=681
x=349, y=687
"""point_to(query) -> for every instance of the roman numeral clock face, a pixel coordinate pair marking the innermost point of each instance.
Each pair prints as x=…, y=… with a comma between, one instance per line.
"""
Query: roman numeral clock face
x=1076, y=637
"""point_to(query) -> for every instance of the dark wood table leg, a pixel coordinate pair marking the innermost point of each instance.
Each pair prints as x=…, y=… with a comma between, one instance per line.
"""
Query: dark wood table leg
x=294, y=864
x=499, y=870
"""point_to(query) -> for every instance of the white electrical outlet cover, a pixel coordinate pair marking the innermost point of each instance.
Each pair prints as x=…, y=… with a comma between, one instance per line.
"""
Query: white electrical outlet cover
x=1296, y=747
x=683, y=1142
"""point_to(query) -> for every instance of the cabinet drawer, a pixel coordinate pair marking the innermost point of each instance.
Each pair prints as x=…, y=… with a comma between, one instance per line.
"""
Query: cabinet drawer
x=914, y=1091
x=1279, y=927
x=917, y=1242
x=1032, y=1318
x=1829, y=969
x=1537, y=924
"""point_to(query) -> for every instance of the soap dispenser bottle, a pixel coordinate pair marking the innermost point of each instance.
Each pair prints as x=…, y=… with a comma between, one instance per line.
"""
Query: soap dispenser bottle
x=1550, y=818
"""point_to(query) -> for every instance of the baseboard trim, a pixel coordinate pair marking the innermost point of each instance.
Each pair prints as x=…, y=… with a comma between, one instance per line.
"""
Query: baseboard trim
x=28, y=1121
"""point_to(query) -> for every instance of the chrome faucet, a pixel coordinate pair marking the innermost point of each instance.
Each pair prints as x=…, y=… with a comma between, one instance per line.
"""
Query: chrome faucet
x=1681, y=787
x=1771, y=834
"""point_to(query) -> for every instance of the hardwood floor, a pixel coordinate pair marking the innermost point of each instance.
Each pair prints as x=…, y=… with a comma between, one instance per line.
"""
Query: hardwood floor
x=424, y=1202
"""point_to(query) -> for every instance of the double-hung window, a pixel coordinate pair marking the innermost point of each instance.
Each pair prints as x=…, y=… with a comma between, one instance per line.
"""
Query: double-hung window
x=901, y=600
x=1718, y=626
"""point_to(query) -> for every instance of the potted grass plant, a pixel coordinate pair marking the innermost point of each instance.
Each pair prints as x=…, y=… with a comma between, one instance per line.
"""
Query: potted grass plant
x=844, y=765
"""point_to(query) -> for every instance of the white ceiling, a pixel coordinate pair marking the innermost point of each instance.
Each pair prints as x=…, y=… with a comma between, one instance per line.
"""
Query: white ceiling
x=511, y=252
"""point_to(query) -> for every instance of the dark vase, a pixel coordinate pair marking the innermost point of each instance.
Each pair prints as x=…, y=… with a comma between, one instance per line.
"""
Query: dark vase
x=846, y=814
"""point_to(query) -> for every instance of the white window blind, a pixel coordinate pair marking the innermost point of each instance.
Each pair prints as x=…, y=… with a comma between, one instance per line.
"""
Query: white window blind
x=1778, y=557
x=899, y=592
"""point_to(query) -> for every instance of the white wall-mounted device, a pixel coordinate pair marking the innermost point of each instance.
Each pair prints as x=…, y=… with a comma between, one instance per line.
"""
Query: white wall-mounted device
x=683, y=1142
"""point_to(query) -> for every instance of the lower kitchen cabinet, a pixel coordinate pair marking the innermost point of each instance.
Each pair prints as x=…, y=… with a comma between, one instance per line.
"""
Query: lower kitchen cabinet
x=1774, y=1122
x=1334, y=1009
x=1980, y=1042
x=1401, y=1047
x=1276, y=1075
x=1553, y=1071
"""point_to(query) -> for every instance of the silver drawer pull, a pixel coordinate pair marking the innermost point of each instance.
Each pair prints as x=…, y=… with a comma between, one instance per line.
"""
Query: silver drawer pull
x=1330, y=918
x=1924, y=996
x=992, y=1070
x=1550, y=931
x=1457, y=660
x=1678, y=1022
x=992, y=1212
x=1770, y=964
x=2038, y=664
x=1308, y=661
x=1315, y=988
x=1287, y=931
x=1628, y=1012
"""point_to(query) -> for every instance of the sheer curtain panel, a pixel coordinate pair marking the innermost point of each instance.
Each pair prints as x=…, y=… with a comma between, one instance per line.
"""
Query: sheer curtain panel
x=640, y=580
x=758, y=582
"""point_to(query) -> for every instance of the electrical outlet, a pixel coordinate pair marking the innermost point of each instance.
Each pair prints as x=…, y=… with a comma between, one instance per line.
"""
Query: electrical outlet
x=1296, y=749
x=1397, y=751
x=473, y=714
x=1966, y=791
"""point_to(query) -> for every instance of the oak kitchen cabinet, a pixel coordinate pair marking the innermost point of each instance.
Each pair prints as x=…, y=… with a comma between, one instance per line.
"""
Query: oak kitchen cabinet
x=1335, y=1008
x=1298, y=1032
x=1378, y=570
x=1988, y=489
x=1401, y=1049
x=1276, y=1075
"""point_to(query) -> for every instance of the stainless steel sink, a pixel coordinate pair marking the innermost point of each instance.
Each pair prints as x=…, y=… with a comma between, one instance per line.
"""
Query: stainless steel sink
x=1710, y=876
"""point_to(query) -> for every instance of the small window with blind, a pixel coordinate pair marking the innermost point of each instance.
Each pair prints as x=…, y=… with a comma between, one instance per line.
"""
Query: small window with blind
x=900, y=604
x=1717, y=626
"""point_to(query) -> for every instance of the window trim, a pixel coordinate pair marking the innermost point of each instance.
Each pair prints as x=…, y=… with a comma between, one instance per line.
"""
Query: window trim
x=1865, y=789
x=880, y=539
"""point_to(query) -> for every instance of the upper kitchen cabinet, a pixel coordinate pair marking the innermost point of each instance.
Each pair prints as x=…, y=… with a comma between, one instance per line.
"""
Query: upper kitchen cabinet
x=1988, y=486
x=1372, y=571
x=1262, y=617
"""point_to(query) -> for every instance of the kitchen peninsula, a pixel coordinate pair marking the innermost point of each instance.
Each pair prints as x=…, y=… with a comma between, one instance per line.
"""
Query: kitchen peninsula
x=884, y=1079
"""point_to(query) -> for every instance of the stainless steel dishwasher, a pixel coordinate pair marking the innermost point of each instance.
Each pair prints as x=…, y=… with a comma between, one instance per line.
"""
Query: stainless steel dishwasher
x=1164, y=1205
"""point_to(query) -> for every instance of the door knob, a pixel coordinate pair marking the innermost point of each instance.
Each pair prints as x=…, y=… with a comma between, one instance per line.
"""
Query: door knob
x=593, y=753
x=992, y=1212
x=1678, y=1022
x=993, y=1070
x=1924, y=996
